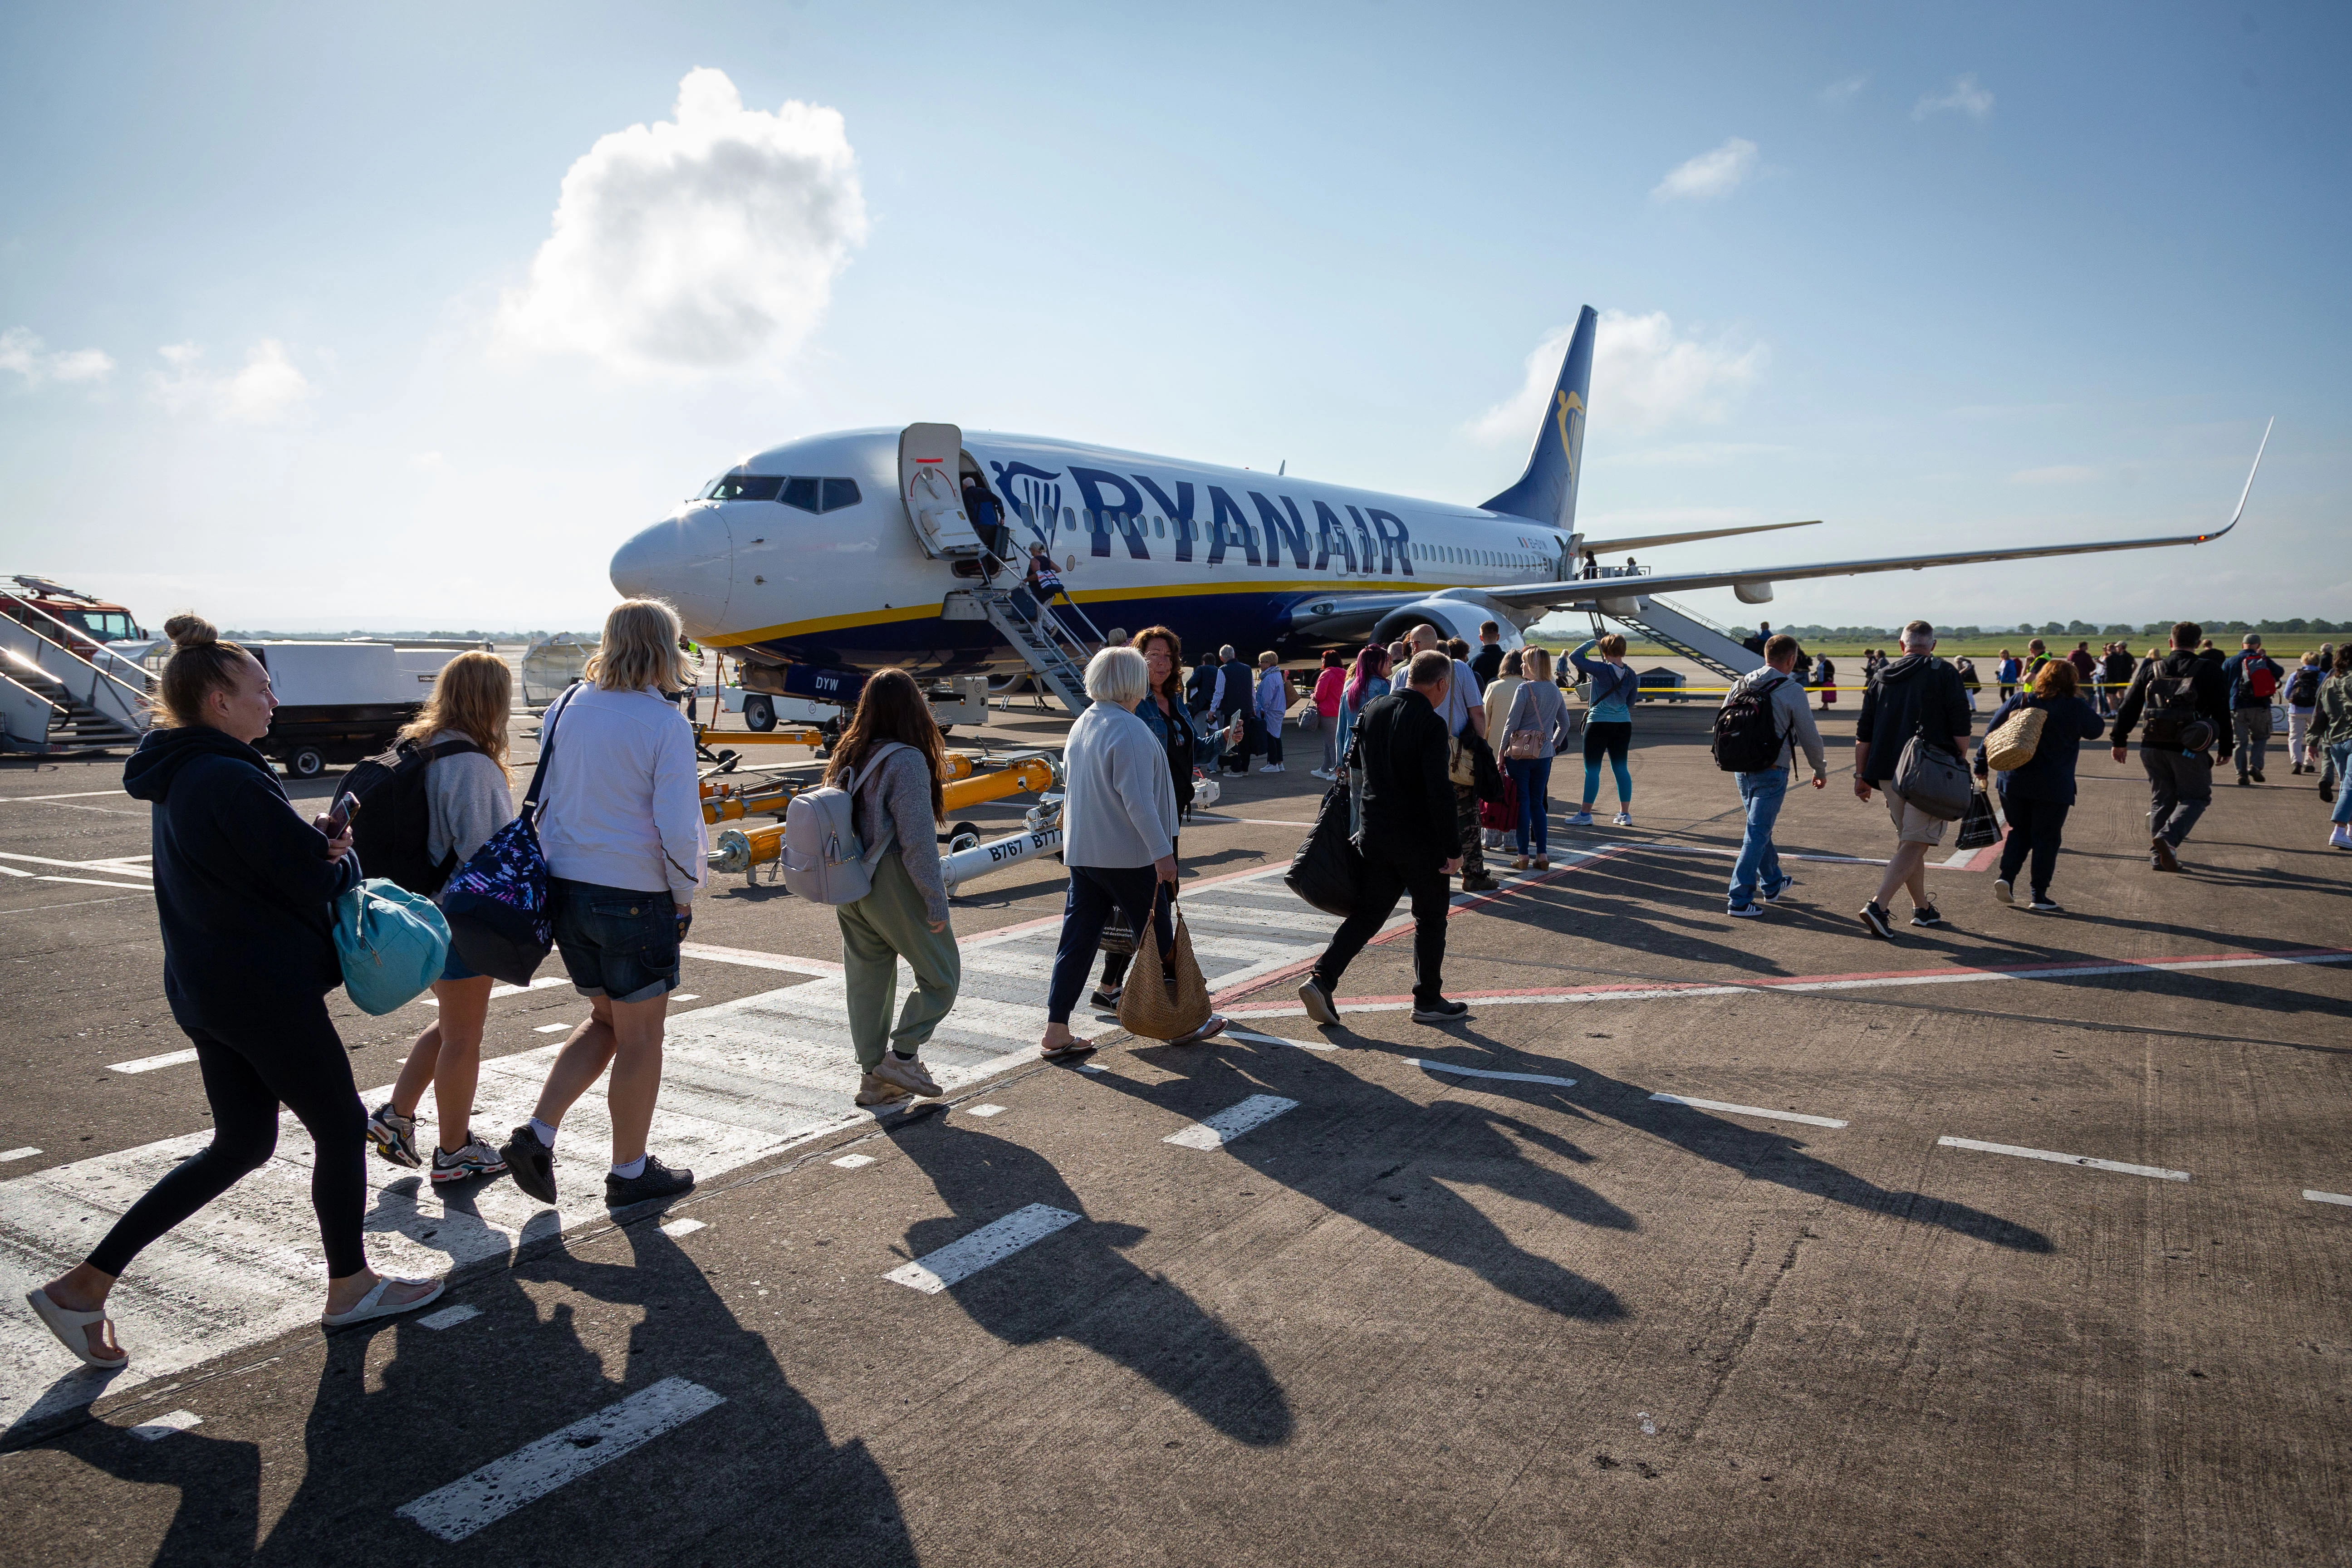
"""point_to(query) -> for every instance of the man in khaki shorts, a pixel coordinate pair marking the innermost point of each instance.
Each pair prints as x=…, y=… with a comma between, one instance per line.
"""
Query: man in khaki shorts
x=1917, y=693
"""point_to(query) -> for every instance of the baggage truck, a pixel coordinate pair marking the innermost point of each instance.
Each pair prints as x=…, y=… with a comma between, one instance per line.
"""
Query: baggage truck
x=341, y=702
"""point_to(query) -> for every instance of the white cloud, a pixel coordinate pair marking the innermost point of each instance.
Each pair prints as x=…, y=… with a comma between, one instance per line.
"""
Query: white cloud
x=2058, y=474
x=1966, y=96
x=1710, y=175
x=1838, y=94
x=267, y=391
x=706, y=241
x=1644, y=377
x=1700, y=454
x=24, y=352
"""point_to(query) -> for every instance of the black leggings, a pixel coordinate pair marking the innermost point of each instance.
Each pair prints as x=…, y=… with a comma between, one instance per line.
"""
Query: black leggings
x=249, y=1070
x=2036, y=826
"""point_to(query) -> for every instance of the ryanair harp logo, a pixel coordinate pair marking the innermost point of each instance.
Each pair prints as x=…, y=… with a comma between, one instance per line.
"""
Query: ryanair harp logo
x=1568, y=413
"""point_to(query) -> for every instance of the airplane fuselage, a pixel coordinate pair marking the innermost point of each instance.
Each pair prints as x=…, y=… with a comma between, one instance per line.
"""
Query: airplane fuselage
x=1220, y=555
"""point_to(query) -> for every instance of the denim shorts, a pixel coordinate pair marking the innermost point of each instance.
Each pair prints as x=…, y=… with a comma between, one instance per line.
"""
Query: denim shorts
x=455, y=966
x=615, y=941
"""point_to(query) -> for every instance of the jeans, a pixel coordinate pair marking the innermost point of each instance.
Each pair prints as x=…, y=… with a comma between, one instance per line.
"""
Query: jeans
x=2254, y=730
x=1533, y=775
x=250, y=1069
x=2036, y=826
x=1272, y=730
x=1758, y=863
x=2340, y=753
x=1093, y=891
x=2180, y=788
x=1387, y=878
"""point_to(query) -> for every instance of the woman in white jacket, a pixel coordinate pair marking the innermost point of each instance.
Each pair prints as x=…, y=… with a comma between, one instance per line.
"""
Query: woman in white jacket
x=1119, y=837
x=620, y=818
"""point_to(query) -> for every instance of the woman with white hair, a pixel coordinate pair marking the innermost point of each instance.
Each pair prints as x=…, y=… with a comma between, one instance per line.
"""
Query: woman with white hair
x=1119, y=837
x=620, y=819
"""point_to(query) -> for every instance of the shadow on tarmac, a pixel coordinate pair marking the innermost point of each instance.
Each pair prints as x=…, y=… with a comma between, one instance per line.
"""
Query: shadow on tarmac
x=448, y=1402
x=1433, y=1151
x=1074, y=1285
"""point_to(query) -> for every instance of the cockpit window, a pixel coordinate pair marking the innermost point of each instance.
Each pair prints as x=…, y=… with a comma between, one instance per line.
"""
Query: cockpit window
x=802, y=494
x=839, y=493
x=744, y=486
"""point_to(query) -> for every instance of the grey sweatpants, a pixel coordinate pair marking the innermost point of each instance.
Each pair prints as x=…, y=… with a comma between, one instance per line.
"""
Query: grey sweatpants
x=2254, y=727
x=2180, y=788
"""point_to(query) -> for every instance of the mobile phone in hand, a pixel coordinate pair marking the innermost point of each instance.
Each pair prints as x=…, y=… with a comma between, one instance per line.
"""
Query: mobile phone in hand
x=338, y=820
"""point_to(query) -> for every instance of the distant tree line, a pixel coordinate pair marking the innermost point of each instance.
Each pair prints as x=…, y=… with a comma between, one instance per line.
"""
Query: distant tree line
x=2295, y=626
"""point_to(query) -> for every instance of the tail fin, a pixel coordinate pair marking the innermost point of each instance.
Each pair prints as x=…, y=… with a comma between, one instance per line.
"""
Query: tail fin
x=1547, y=491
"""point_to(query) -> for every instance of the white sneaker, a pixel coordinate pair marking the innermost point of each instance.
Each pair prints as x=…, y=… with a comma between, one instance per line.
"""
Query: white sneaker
x=1581, y=820
x=1624, y=819
x=1271, y=768
x=2342, y=837
x=1318, y=773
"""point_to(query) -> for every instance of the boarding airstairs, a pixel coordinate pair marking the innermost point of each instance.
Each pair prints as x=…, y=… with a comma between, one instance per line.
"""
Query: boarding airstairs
x=1681, y=630
x=58, y=699
x=1055, y=653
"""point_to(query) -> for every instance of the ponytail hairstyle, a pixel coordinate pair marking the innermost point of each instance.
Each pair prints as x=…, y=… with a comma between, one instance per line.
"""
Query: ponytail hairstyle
x=891, y=709
x=472, y=695
x=200, y=665
x=1613, y=645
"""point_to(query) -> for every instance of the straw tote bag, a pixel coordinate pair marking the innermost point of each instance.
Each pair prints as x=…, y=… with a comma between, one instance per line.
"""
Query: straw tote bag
x=1151, y=1008
x=2012, y=745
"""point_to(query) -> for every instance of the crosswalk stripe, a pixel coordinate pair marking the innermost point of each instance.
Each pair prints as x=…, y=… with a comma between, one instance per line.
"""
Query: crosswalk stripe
x=991, y=1243
x=1216, y=1132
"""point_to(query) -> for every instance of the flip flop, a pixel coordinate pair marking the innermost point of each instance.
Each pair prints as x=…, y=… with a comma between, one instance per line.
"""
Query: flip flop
x=67, y=1325
x=1076, y=1046
x=374, y=1305
x=1210, y=1030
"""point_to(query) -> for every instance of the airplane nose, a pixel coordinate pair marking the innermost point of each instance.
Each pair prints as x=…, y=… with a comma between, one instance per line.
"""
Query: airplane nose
x=687, y=559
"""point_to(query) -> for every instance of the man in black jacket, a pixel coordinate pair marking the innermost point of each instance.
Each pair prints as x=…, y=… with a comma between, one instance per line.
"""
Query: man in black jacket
x=1487, y=663
x=1235, y=687
x=2186, y=698
x=1409, y=841
x=1201, y=690
x=1916, y=694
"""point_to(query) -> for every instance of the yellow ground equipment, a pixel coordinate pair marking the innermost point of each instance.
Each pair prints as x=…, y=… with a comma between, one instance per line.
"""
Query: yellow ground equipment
x=1031, y=773
x=704, y=735
x=743, y=850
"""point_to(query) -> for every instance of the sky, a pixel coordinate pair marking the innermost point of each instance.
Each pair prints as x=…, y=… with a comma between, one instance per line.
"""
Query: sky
x=389, y=318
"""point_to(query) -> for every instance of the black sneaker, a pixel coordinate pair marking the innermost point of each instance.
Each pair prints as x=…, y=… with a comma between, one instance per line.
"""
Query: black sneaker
x=531, y=1161
x=1479, y=884
x=2160, y=854
x=1772, y=894
x=2256, y=775
x=1876, y=921
x=1438, y=1012
x=655, y=1181
x=1926, y=916
x=2044, y=904
x=1316, y=997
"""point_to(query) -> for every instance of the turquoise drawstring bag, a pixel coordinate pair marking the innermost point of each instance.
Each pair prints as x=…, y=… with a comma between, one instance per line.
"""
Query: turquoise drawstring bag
x=393, y=944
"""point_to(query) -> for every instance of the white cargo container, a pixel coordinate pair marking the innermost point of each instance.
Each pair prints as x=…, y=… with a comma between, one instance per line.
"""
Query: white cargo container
x=341, y=702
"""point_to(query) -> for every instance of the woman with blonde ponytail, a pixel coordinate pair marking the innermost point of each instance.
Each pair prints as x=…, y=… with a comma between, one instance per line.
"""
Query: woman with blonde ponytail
x=245, y=889
x=466, y=788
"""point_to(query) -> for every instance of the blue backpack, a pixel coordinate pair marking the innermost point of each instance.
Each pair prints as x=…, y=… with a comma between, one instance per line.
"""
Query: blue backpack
x=393, y=943
x=496, y=902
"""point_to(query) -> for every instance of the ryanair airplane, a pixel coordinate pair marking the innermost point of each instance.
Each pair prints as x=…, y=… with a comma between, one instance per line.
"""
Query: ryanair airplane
x=823, y=558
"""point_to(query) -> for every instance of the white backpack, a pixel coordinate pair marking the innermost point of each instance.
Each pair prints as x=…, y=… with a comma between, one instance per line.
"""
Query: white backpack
x=823, y=858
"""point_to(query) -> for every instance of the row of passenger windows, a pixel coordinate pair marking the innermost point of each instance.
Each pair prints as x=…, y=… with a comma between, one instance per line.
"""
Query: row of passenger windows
x=807, y=494
x=1448, y=554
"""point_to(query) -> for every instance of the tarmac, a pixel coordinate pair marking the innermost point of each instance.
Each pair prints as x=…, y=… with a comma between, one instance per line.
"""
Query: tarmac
x=1700, y=1241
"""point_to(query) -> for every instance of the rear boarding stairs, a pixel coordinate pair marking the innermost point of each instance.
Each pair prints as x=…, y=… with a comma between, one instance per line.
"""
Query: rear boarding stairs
x=53, y=699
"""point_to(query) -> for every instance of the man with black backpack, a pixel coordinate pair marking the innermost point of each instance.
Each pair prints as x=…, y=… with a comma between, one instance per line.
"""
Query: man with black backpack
x=2187, y=700
x=1763, y=719
x=2255, y=681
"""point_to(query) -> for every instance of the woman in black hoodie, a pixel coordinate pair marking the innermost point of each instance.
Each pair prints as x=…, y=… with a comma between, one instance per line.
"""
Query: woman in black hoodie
x=244, y=888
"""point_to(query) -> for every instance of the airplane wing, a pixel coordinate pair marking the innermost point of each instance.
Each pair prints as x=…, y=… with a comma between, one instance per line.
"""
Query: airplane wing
x=1650, y=540
x=1592, y=592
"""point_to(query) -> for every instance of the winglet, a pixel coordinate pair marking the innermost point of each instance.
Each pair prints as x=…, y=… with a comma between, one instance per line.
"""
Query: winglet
x=2249, y=489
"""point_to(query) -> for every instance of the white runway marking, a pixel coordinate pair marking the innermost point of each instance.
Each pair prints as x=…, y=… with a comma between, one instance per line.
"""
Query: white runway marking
x=448, y=1317
x=852, y=1162
x=162, y=1427
x=552, y=1029
x=25, y=1154
x=2156, y=1172
x=1489, y=1072
x=1216, y=1132
x=529, y=1473
x=2319, y=1197
x=149, y=1064
x=685, y=996
x=542, y=983
x=88, y=882
x=992, y=1243
x=679, y=1228
x=71, y=794
x=1279, y=1039
x=12, y=871
x=118, y=865
x=984, y=1110
x=784, y=963
x=1749, y=1110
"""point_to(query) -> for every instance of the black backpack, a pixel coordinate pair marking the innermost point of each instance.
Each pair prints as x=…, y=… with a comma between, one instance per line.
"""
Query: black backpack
x=394, y=822
x=1748, y=737
x=2172, y=716
x=2303, y=687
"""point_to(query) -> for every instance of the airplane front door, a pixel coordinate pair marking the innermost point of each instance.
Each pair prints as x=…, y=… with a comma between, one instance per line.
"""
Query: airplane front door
x=930, y=483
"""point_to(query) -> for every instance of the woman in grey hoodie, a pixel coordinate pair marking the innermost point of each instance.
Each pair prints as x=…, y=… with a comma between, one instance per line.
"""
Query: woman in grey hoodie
x=891, y=760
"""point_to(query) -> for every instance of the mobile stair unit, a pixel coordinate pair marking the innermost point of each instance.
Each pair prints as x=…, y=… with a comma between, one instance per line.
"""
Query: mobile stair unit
x=57, y=699
x=1681, y=630
x=1055, y=654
